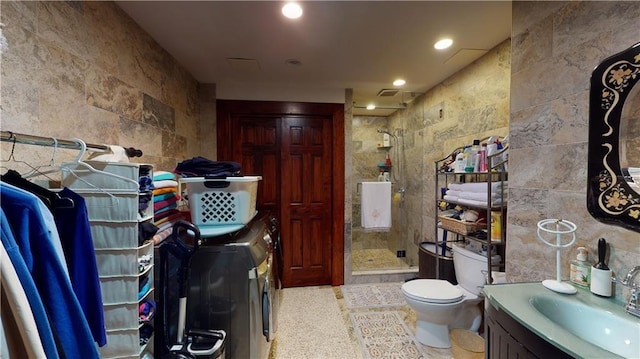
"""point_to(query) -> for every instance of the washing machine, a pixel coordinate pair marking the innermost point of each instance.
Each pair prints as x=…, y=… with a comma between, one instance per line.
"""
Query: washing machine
x=233, y=286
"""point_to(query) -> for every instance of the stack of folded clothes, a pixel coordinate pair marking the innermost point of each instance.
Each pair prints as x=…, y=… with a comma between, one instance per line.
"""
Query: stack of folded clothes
x=476, y=194
x=165, y=204
x=165, y=193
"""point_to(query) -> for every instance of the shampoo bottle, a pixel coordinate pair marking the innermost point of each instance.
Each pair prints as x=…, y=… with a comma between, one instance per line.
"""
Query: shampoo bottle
x=472, y=160
x=580, y=269
x=460, y=163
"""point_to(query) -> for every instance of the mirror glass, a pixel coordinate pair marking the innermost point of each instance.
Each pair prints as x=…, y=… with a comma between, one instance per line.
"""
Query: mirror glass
x=630, y=130
x=613, y=193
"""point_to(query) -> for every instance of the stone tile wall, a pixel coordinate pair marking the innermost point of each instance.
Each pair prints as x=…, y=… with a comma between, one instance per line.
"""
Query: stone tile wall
x=473, y=103
x=86, y=70
x=555, y=47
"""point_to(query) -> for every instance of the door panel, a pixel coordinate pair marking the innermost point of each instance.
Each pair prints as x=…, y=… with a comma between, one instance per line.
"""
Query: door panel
x=306, y=192
x=257, y=150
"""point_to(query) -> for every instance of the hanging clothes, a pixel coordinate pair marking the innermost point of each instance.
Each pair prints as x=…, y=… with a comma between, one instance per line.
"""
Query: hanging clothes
x=44, y=204
x=29, y=287
x=33, y=237
x=77, y=243
x=16, y=313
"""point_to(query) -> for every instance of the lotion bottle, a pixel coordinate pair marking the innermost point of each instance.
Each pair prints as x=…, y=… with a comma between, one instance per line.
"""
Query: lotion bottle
x=580, y=270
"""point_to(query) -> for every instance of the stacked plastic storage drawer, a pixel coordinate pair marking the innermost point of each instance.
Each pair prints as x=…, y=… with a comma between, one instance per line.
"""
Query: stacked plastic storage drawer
x=112, y=195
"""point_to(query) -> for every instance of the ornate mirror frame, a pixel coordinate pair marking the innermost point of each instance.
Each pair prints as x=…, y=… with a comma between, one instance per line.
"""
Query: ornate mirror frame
x=610, y=199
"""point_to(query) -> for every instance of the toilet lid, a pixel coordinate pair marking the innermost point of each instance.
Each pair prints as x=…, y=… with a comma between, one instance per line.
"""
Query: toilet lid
x=432, y=290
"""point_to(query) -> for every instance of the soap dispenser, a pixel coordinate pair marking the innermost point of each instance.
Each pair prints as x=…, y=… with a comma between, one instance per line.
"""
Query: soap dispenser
x=600, y=273
x=580, y=269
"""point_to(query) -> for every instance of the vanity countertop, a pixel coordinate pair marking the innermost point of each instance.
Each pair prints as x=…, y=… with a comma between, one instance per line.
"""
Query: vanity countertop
x=515, y=300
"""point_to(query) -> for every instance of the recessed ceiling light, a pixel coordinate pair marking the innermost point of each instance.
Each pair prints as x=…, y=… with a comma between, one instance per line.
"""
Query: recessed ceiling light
x=443, y=44
x=371, y=107
x=399, y=82
x=292, y=10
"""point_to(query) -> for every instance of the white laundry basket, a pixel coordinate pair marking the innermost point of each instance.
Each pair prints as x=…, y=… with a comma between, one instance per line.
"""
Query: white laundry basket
x=222, y=202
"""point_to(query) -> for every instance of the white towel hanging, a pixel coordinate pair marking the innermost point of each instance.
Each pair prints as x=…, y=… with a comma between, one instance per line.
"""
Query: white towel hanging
x=376, y=206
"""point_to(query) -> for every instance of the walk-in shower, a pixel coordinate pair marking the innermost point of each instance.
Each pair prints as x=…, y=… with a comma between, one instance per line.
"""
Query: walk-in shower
x=379, y=251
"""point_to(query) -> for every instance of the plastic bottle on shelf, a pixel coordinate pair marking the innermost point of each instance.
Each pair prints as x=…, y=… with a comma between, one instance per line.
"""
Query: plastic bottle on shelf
x=468, y=166
x=482, y=158
x=387, y=161
x=471, y=160
x=381, y=177
x=460, y=162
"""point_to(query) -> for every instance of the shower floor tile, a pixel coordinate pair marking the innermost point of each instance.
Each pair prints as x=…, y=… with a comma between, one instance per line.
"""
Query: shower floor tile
x=376, y=259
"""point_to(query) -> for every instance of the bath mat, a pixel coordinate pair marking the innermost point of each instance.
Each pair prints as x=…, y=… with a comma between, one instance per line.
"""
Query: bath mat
x=372, y=295
x=384, y=335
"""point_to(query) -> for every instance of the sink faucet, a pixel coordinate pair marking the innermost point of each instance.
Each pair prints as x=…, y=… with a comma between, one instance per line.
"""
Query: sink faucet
x=633, y=306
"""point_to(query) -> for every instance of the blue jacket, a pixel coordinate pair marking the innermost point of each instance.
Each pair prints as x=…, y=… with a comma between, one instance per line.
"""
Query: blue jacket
x=68, y=323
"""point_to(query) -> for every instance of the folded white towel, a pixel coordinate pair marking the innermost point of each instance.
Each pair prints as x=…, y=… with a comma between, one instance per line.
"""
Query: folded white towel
x=478, y=196
x=450, y=198
x=452, y=192
x=376, y=206
x=474, y=203
x=477, y=186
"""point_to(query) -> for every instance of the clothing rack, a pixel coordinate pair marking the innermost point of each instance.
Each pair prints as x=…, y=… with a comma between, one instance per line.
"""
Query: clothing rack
x=9, y=136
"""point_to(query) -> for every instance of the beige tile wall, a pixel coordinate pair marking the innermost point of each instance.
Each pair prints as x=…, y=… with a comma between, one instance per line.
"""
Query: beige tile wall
x=555, y=47
x=473, y=103
x=86, y=70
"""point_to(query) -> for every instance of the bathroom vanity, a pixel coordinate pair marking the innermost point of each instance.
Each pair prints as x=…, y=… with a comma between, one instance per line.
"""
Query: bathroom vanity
x=526, y=320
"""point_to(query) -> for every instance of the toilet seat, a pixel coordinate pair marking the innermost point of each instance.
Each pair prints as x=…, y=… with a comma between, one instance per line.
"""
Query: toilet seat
x=432, y=291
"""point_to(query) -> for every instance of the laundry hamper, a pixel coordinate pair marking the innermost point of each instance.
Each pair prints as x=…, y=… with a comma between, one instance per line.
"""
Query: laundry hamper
x=227, y=201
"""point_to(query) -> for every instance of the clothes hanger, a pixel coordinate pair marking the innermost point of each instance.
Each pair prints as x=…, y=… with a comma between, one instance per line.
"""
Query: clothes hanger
x=50, y=198
x=73, y=168
x=36, y=171
x=12, y=158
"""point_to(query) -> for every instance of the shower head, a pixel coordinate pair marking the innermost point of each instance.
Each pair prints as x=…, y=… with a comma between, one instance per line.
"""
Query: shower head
x=380, y=130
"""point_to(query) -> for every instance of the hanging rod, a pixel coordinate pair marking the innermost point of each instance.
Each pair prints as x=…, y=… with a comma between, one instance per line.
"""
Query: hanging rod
x=9, y=136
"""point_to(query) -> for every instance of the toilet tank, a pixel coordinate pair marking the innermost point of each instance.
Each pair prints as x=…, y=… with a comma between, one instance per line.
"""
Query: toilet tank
x=470, y=268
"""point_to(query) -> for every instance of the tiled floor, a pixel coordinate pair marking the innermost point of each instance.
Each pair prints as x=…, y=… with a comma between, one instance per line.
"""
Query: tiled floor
x=314, y=323
x=376, y=259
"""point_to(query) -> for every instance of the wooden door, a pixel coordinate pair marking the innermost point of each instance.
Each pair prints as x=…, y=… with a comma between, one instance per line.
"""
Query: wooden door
x=298, y=149
x=306, y=198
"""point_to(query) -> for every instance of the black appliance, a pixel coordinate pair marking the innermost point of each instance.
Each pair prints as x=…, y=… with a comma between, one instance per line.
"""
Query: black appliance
x=177, y=341
x=233, y=286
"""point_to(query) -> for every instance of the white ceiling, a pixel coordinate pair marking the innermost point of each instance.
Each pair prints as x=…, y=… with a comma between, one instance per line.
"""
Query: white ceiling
x=362, y=45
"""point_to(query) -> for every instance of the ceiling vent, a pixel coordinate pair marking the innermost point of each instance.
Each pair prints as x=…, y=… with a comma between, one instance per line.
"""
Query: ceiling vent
x=388, y=92
x=243, y=65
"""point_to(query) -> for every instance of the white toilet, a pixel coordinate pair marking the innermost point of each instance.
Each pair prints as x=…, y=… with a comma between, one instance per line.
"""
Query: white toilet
x=440, y=306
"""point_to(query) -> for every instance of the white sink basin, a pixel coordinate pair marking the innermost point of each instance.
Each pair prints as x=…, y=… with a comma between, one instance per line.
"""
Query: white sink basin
x=610, y=331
